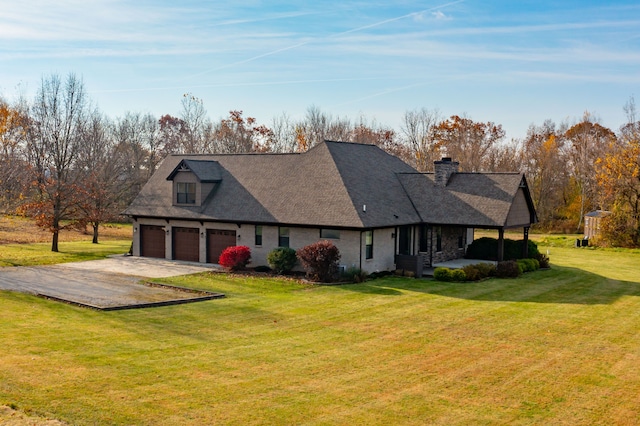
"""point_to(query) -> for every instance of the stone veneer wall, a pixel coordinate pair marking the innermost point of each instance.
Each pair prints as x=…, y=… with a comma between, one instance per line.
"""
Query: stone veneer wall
x=450, y=248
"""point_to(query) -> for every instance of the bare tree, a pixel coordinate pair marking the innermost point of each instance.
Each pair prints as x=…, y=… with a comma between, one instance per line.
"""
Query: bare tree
x=284, y=134
x=318, y=126
x=138, y=137
x=58, y=114
x=195, y=123
x=418, y=130
x=103, y=163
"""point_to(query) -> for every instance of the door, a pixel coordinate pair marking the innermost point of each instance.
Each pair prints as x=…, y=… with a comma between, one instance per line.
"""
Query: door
x=152, y=241
x=217, y=241
x=186, y=244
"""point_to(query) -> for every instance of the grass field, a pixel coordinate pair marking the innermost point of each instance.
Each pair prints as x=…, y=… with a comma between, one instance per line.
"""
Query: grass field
x=24, y=244
x=560, y=346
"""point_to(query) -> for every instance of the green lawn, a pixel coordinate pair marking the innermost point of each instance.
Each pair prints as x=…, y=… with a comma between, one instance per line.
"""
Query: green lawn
x=553, y=347
x=73, y=251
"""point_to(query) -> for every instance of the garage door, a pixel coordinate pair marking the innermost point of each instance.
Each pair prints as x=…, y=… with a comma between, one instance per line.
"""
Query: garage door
x=217, y=241
x=186, y=244
x=152, y=241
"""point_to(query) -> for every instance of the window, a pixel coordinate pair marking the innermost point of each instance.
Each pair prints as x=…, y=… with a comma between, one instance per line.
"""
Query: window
x=461, y=239
x=438, y=238
x=283, y=237
x=368, y=244
x=333, y=234
x=258, y=241
x=404, y=240
x=186, y=193
x=424, y=238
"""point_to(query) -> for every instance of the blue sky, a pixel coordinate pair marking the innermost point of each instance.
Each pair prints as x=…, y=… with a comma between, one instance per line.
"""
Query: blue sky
x=510, y=62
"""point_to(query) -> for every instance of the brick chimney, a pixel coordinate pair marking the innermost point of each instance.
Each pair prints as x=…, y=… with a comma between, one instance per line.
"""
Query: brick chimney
x=444, y=169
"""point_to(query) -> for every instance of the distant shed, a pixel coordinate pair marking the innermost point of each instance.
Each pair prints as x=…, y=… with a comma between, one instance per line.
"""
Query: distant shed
x=592, y=221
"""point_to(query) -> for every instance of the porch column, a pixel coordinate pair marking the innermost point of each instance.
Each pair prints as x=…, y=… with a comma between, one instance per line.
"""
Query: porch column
x=500, y=244
x=525, y=246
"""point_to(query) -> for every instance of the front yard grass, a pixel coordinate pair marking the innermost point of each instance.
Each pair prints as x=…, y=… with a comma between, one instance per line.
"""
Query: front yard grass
x=72, y=251
x=560, y=346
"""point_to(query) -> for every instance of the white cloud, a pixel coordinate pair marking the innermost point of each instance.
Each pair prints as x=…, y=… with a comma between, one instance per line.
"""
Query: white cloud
x=439, y=15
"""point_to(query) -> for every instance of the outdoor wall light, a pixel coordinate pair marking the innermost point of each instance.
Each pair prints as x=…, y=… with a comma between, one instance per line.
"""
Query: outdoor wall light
x=135, y=229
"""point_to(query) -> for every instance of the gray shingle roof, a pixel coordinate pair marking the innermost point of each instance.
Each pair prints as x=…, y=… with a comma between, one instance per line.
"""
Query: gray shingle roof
x=205, y=171
x=470, y=199
x=329, y=186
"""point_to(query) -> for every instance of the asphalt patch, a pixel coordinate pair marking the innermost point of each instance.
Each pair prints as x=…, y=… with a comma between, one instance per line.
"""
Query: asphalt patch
x=96, y=285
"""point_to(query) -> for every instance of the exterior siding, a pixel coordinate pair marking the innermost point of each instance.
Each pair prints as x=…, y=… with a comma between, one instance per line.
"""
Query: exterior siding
x=519, y=214
x=351, y=242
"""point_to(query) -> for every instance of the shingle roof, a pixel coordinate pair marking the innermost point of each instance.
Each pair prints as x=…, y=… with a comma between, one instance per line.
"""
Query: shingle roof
x=334, y=184
x=470, y=199
x=205, y=171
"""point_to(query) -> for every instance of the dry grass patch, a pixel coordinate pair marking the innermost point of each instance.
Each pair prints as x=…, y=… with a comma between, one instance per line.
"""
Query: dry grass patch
x=21, y=230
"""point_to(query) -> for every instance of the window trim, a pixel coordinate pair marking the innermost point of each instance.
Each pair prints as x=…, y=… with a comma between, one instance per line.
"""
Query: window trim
x=368, y=244
x=189, y=197
x=282, y=230
x=258, y=235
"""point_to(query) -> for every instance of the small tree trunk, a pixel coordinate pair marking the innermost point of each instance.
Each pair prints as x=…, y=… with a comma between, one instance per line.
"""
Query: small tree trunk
x=95, y=233
x=54, y=241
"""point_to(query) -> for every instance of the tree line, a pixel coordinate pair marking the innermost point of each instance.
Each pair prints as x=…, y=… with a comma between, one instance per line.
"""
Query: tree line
x=66, y=164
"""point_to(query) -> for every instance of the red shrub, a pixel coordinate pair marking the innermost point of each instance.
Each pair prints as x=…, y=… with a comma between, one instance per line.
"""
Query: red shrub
x=235, y=257
x=320, y=260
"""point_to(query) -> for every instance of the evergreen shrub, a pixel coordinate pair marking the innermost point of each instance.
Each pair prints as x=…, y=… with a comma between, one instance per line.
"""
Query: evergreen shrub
x=282, y=259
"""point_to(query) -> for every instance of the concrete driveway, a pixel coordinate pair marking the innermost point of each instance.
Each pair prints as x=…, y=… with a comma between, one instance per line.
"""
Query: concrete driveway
x=108, y=284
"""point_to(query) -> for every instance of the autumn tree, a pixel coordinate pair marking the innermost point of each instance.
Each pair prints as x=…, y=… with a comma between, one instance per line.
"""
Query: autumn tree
x=14, y=177
x=418, y=129
x=237, y=134
x=58, y=116
x=468, y=142
x=544, y=162
x=172, y=133
x=588, y=141
x=618, y=177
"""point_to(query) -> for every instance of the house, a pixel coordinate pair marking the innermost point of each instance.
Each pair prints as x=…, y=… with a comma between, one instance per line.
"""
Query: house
x=372, y=205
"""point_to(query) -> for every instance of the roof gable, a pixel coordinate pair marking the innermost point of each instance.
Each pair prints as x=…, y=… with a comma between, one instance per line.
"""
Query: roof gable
x=469, y=199
x=207, y=171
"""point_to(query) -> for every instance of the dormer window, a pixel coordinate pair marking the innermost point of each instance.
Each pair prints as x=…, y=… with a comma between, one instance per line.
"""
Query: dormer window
x=186, y=192
x=194, y=181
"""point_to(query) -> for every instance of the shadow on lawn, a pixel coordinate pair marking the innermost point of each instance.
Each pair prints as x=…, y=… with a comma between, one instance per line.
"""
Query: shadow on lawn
x=558, y=285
